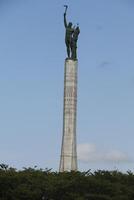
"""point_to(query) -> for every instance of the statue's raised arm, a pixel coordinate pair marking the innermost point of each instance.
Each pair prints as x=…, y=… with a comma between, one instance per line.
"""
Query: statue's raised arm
x=65, y=21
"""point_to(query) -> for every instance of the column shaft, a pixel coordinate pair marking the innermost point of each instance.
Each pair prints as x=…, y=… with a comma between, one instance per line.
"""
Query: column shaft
x=68, y=159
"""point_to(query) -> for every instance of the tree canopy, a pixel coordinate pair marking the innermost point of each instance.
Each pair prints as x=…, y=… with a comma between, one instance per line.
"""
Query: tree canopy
x=39, y=184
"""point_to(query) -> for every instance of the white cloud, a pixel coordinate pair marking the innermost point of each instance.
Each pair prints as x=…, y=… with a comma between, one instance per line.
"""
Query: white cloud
x=90, y=153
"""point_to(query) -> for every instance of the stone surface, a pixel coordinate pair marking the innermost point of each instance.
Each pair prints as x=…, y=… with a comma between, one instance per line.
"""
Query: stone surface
x=68, y=160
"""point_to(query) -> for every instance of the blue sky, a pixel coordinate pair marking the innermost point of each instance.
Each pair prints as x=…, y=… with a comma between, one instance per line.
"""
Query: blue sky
x=32, y=53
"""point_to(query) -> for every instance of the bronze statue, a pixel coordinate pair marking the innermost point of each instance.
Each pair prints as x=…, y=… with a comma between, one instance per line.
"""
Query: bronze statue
x=74, y=43
x=69, y=32
x=71, y=37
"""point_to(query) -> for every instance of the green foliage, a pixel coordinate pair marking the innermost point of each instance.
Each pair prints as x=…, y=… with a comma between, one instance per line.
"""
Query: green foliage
x=34, y=184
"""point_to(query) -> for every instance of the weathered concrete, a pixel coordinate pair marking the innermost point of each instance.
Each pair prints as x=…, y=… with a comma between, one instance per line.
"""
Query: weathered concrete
x=68, y=160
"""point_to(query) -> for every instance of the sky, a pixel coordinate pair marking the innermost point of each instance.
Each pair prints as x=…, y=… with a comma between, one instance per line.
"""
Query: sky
x=32, y=54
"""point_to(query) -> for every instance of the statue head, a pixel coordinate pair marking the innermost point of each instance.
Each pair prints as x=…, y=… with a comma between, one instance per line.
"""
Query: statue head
x=70, y=24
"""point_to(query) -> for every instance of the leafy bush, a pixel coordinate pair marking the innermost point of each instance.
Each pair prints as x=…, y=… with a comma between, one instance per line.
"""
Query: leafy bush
x=39, y=184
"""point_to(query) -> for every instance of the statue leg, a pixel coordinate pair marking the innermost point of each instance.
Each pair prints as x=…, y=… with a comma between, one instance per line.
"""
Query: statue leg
x=68, y=51
x=68, y=48
x=72, y=56
x=72, y=50
x=75, y=54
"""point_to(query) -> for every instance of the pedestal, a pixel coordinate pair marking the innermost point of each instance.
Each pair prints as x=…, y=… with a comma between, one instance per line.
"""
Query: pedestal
x=68, y=160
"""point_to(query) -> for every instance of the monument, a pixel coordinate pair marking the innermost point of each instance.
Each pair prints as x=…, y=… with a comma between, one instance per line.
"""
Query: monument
x=68, y=159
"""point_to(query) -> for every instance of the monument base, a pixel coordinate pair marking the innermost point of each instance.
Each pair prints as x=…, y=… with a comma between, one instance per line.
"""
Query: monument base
x=68, y=160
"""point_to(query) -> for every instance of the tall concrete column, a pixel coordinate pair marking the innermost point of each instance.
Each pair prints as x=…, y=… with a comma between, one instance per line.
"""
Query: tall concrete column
x=68, y=160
